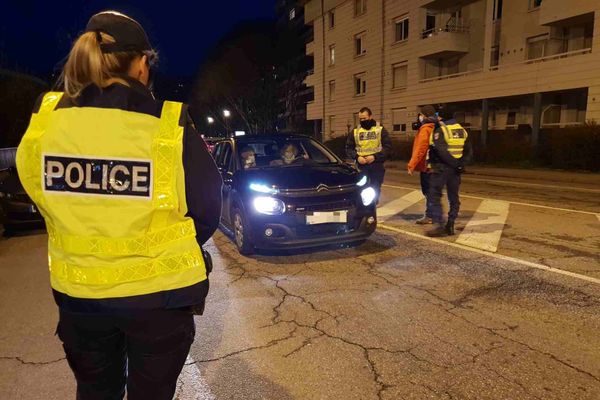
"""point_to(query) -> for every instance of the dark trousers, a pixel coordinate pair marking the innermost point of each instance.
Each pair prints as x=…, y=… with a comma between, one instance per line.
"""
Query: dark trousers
x=143, y=351
x=375, y=172
x=425, y=178
x=448, y=177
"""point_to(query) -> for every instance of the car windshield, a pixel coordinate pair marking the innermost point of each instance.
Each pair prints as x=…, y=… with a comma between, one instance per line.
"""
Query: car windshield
x=283, y=152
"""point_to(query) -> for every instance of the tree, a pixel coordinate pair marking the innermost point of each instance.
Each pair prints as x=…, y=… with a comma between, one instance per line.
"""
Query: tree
x=240, y=74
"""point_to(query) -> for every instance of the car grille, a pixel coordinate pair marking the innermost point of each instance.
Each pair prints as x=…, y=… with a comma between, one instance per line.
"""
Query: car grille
x=310, y=231
x=329, y=206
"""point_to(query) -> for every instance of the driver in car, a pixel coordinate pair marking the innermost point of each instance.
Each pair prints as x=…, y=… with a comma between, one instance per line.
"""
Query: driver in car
x=289, y=154
x=248, y=157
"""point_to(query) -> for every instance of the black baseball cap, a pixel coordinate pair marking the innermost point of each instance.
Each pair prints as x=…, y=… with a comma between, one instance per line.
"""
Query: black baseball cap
x=127, y=32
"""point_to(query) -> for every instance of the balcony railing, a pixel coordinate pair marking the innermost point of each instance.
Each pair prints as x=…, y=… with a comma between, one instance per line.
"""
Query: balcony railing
x=543, y=59
x=453, y=28
x=458, y=75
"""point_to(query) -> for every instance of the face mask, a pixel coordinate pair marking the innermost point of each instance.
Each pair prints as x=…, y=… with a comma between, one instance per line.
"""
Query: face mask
x=367, y=124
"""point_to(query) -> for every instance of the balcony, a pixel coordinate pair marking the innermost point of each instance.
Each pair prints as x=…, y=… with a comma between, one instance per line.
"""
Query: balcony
x=554, y=12
x=545, y=59
x=449, y=40
x=310, y=78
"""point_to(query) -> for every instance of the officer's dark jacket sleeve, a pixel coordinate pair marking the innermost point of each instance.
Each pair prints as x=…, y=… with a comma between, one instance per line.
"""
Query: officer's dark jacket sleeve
x=467, y=157
x=441, y=149
x=386, y=144
x=351, y=146
x=202, y=184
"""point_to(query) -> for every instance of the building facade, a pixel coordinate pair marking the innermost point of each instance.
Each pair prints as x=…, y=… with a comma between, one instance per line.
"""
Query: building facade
x=498, y=64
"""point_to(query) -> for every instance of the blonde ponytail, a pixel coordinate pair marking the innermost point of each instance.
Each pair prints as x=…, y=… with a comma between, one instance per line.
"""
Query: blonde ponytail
x=87, y=64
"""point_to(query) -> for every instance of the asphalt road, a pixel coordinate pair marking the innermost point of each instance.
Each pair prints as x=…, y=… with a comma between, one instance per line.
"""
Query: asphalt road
x=400, y=317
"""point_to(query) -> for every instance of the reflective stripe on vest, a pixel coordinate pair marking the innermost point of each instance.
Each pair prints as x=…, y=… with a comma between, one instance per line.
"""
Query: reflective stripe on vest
x=119, y=233
x=368, y=142
x=455, y=136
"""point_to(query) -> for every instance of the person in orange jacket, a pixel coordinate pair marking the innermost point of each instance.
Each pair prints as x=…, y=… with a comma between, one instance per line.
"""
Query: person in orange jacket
x=418, y=160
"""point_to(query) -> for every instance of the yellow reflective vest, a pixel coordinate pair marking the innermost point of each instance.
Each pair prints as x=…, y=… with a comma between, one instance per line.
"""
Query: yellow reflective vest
x=368, y=141
x=110, y=185
x=455, y=136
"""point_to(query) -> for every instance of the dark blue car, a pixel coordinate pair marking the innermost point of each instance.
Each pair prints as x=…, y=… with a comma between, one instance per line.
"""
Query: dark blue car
x=288, y=192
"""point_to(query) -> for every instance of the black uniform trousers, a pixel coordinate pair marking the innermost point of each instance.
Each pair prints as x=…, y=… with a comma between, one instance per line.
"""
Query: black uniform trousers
x=450, y=178
x=425, y=178
x=375, y=172
x=143, y=351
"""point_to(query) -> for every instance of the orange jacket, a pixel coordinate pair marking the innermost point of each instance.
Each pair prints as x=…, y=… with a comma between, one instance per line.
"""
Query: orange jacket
x=418, y=161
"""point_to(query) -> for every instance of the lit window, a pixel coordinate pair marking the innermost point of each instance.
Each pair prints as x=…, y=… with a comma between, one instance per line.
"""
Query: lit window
x=292, y=14
x=332, y=54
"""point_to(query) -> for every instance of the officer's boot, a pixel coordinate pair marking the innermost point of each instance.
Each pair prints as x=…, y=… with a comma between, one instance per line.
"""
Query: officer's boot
x=450, y=227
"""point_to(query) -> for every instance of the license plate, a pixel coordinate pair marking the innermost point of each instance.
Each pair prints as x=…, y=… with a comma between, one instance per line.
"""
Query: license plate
x=331, y=217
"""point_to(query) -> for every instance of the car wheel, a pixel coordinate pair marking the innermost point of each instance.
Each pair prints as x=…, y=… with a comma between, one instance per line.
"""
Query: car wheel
x=357, y=243
x=240, y=233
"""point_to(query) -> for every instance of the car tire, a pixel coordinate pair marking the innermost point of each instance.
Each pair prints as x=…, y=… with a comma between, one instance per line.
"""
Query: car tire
x=357, y=243
x=240, y=233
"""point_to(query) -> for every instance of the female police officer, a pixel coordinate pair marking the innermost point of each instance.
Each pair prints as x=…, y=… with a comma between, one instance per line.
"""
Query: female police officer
x=129, y=193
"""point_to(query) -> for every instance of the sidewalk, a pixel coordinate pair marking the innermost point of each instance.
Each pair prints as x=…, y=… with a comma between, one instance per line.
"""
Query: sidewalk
x=542, y=175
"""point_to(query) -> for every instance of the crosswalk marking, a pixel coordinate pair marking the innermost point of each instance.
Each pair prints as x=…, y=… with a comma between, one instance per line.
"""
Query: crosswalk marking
x=397, y=206
x=484, y=229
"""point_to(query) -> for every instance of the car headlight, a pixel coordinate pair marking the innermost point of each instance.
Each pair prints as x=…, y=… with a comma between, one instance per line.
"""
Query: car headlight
x=260, y=188
x=368, y=196
x=269, y=205
x=362, y=182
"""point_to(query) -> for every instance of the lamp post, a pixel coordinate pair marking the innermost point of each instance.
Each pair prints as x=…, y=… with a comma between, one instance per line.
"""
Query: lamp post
x=227, y=114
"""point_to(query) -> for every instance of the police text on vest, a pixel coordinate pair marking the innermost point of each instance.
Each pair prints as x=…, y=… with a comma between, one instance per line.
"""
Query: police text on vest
x=97, y=176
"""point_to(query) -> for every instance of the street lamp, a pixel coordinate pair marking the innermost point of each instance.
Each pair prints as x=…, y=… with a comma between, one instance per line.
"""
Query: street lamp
x=227, y=114
x=210, y=120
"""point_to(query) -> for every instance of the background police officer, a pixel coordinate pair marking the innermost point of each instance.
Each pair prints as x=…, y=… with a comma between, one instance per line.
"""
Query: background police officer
x=126, y=265
x=449, y=152
x=369, y=145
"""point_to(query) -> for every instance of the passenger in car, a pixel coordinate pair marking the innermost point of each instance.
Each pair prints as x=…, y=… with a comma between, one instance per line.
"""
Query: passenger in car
x=289, y=154
x=248, y=157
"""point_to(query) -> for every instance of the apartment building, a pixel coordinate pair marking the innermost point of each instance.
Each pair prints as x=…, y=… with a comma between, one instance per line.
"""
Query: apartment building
x=498, y=64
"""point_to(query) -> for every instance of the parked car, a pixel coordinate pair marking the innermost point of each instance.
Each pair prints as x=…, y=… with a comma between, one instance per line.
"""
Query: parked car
x=17, y=211
x=276, y=203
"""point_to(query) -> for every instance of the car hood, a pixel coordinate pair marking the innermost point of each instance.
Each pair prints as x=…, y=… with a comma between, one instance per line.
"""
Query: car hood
x=302, y=177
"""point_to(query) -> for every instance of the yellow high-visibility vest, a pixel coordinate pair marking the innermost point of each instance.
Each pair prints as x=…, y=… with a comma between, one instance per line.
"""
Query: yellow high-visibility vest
x=368, y=141
x=110, y=186
x=455, y=136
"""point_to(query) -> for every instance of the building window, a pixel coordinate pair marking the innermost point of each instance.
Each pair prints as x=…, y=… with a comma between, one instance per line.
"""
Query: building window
x=536, y=47
x=399, y=119
x=331, y=90
x=399, y=75
x=497, y=10
x=401, y=32
x=360, y=84
x=360, y=7
x=332, y=54
x=292, y=14
x=331, y=19
x=533, y=4
x=495, y=56
x=359, y=44
x=331, y=123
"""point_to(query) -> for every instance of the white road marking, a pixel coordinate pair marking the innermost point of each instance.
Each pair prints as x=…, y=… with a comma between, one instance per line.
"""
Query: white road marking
x=511, y=202
x=484, y=229
x=572, y=188
x=396, y=206
x=495, y=255
x=192, y=385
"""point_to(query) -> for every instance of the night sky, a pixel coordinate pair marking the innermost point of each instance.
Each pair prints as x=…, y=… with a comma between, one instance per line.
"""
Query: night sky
x=36, y=35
